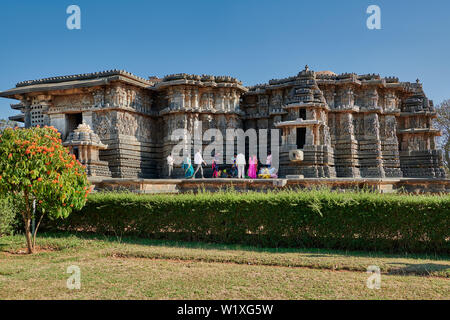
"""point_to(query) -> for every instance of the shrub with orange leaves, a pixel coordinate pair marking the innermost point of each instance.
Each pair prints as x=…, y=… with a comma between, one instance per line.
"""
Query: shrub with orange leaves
x=29, y=171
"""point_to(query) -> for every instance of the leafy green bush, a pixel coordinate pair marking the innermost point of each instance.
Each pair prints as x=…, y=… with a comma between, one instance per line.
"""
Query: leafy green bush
x=8, y=217
x=353, y=221
x=36, y=168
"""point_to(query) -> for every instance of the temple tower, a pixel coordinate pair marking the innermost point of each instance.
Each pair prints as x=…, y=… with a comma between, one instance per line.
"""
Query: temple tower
x=418, y=154
x=305, y=128
x=85, y=145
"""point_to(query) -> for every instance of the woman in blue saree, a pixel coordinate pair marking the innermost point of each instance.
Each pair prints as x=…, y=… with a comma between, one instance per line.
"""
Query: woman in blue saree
x=187, y=167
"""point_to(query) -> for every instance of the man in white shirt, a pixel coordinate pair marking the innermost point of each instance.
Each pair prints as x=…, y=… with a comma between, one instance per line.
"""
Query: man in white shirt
x=198, y=160
x=170, y=162
x=240, y=162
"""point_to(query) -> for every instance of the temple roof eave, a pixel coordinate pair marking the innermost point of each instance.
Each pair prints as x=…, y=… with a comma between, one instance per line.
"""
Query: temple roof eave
x=179, y=82
x=17, y=118
x=86, y=76
x=46, y=87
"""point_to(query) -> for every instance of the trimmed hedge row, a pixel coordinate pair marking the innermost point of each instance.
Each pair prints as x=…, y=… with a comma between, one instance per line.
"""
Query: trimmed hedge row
x=353, y=221
x=9, y=217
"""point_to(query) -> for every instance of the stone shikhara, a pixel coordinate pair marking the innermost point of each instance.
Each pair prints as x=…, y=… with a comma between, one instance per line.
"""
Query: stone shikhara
x=346, y=125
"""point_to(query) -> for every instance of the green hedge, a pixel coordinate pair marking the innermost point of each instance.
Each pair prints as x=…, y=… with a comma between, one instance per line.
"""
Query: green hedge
x=9, y=218
x=353, y=221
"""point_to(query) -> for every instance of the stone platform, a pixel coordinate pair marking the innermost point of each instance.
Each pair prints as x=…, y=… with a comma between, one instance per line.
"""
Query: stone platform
x=154, y=186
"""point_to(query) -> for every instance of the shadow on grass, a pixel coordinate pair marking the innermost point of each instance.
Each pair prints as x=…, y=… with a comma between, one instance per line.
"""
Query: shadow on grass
x=311, y=252
x=420, y=269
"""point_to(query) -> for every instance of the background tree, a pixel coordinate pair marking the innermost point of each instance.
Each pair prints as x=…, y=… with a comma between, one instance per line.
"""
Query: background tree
x=443, y=123
x=34, y=166
x=7, y=124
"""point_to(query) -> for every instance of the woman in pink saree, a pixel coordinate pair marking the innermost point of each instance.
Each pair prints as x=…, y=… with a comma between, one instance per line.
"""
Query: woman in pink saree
x=253, y=167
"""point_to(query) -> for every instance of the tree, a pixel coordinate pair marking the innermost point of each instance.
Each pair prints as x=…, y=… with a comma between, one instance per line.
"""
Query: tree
x=443, y=123
x=7, y=124
x=36, y=168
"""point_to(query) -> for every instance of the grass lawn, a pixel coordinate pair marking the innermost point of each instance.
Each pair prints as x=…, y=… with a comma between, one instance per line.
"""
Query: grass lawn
x=132, y=268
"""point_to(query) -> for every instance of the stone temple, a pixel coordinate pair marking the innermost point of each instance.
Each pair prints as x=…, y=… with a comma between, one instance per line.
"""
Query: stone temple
x=346, y=126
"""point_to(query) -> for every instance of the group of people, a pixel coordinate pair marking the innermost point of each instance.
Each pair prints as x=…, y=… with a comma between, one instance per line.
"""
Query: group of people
x=237, y=168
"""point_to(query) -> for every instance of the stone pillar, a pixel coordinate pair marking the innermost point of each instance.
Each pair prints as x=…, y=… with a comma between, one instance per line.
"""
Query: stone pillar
x=188, y=99
x=316, y=135
x=181, y=99
x=219, y=103
x=309, y=139
x=45, y=106
x=346, y=147
x=370, y=155
x=58, y=120
x=195, y=103
x=87, y=118
x=390, y=147
x=27, y=116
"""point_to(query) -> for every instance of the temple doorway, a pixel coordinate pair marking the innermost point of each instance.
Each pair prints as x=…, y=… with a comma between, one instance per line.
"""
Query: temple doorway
x=301, y=137
x=76, y=152
x=73, y=120
x=302, y=114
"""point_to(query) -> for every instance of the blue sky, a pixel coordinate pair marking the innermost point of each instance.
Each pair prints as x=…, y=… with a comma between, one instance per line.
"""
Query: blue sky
x=254, y=41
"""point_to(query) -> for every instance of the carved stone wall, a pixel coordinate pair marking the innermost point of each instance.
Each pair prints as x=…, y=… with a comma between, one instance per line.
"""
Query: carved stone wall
x=353, y=125
x=378, y=127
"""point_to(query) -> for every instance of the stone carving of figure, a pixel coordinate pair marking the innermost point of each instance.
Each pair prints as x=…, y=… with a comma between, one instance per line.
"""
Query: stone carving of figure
x=347, y=124
x=210, y=100
x=194, y=102
x=102, y=124
x=170, y=99
x=390, y=126
x=181, y=99
x=99, y=98
x=127, y=124
x=329, y=97
x=372, y=125
x=204, y=101
x=349, y=97
x=391, y=101
x=263, y=101
x=122, y=97
x=326, y=136
x=220, y=101
x=372, y=97
x=358, y=125
x=228, y=101
x=277, y=100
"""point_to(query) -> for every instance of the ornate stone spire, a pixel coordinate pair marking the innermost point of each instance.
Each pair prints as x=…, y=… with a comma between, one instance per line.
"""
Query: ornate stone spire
x=306, y=89
x=83, y=135
x=85, y=145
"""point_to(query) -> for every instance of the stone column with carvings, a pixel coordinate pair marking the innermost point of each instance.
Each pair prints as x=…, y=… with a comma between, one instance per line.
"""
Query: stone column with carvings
x=370, y=155
x=346, y=147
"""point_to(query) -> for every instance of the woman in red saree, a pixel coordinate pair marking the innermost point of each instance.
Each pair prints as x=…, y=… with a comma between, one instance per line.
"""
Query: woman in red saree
x=215, y=167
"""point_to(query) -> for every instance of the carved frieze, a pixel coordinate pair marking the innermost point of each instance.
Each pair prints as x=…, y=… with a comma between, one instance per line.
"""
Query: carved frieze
x=104, y=124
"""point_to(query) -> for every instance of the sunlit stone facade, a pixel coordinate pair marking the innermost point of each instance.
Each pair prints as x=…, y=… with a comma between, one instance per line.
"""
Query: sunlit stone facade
x=348, y=125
